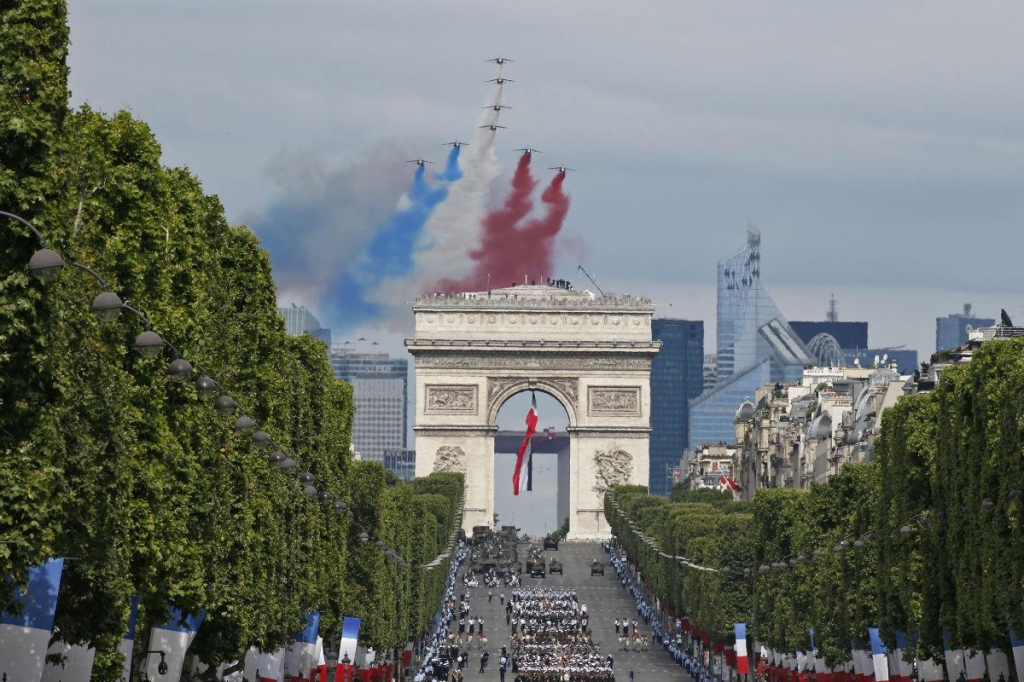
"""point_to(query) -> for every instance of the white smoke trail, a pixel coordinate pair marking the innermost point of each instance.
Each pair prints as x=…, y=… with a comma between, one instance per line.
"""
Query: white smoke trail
x=454, y=228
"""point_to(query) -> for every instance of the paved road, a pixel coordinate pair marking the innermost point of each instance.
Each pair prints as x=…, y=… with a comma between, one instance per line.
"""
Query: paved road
x=606, y=600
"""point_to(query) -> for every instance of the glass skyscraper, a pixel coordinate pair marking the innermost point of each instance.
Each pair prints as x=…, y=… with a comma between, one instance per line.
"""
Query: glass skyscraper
x=756, y=346
x=952, y=331
x=298, y=320
x=380, y=388
x=677, y=376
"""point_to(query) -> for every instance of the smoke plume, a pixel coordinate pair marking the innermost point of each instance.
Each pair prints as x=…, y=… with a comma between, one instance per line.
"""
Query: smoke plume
x=509, y=253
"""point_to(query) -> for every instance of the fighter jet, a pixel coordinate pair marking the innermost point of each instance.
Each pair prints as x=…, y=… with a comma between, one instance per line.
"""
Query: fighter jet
x=493, y=126
x=497, y=107
x=499, y=60
x=419, y=162
x=455, y=143
x=499, y=80
x=527, y=150
x=561, y=169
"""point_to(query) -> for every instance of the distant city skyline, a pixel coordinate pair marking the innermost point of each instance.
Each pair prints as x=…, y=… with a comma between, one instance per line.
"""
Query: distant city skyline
x=878, y=147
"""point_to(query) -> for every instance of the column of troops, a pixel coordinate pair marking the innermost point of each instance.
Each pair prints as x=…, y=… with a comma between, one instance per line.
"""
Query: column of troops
x=551, y=639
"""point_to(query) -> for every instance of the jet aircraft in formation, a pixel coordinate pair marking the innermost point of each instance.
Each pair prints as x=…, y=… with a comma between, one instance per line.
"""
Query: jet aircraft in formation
x=501, y=80
x=497, y=107
x=455, y=143
x=499, y=60
x=527, y=150
x=561, y=169
x=419, y=162
x=493, y=126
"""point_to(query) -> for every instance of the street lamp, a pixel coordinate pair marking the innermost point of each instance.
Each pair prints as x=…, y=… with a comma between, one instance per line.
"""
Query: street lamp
x=179, y=370
x=225, y=405
x=245, y=424
x=107, y=306
x=149, y=344
x=261, y=439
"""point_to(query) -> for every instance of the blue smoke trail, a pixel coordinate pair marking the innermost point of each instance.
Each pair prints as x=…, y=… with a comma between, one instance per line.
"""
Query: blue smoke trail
x=390, y=252
x=451, y=171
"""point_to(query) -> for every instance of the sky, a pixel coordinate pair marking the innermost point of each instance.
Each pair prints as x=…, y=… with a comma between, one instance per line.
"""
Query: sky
x=878, y=146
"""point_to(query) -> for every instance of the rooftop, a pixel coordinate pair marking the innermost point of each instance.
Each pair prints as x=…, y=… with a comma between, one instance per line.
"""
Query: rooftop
x=538, y=296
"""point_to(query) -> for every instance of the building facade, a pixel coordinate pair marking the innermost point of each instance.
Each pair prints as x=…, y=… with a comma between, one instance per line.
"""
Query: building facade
x=380, y=387
x=954, y=330
x=847, y=334
x=756, y=346
x=677, y=376
x=797, y=434
x=298, y=321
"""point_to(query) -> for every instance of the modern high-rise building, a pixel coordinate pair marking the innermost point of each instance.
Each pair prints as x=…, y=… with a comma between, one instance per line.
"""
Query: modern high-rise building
x=677, y=376
x=380, y=388
x=952, y=331
x=298, y=321
x=756, y=346
x=847, y=334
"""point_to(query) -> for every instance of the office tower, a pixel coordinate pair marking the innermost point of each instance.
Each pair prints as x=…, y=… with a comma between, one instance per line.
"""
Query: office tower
x=677, y=376
x=298, y=320
x=381, y=392
x=756, y=346
x=951, y=331
x=849, y=335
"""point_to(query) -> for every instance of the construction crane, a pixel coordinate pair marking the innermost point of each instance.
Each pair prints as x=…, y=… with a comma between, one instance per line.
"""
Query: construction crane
x=592, y=280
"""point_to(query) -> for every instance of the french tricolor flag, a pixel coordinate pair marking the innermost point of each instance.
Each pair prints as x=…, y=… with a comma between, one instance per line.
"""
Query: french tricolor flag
x=128, y=642
x=173, y=639
x=1017, y=643
x=300, y=658
x=878, y=658
x=742, y=662
x=522, y=477
x=954, y=657
x=25, y=638
x=264, y=667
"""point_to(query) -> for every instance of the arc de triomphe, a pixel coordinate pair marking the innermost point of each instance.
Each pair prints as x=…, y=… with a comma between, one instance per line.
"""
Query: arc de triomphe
x=473, y=351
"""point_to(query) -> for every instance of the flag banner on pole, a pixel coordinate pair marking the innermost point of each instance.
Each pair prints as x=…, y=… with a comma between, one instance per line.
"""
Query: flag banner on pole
x=930, y=670
x=521, y=477
x=742, y=662
x=77, y=666
x=998, y=666
x=349, y=639
x=878, y=656
x=300, y=657
x=24, y=639
x=173, y=638
x=858, y=665
x=1017, y=643
x=128, y=642
x=974, y=664
x=264, y=667
x=954, y=657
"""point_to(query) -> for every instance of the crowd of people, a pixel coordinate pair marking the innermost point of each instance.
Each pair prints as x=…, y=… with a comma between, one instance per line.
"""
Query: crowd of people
x=551, y=639
x=673, y=644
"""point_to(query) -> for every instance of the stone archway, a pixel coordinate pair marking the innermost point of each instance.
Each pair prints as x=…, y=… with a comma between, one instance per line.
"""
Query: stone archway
x=474, y=351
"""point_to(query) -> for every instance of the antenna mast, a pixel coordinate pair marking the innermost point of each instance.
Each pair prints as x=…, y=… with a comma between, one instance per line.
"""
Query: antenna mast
x=833, y=310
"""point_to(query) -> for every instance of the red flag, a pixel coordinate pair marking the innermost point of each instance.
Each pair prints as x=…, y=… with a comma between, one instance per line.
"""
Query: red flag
x=522, y=476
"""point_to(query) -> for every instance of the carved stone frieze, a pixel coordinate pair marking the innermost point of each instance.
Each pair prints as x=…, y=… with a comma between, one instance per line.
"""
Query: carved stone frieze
x=488, y=361
x=499, y=386
x=450, y=458
x=448, y=399
x=621, y=401
x=613, y=467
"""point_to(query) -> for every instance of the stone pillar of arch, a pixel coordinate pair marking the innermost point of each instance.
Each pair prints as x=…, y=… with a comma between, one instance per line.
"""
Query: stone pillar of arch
x=474, y=351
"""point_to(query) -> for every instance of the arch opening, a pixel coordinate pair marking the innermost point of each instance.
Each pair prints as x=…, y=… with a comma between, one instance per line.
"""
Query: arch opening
x=545, y=508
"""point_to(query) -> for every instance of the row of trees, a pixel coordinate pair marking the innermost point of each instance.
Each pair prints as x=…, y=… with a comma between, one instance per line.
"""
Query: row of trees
x=927, y=538
x=136, y=478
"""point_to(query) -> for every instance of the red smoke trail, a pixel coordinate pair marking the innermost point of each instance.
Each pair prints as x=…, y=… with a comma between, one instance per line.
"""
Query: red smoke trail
x=508, y=253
